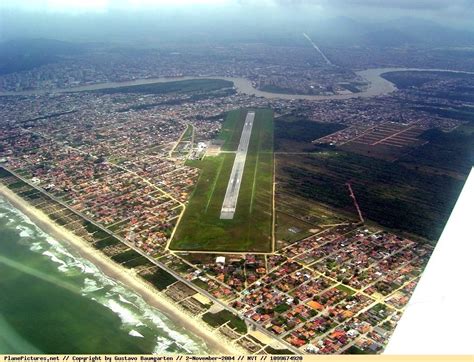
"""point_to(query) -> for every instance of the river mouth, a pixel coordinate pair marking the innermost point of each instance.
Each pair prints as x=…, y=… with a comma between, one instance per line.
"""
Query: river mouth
x=377, y=85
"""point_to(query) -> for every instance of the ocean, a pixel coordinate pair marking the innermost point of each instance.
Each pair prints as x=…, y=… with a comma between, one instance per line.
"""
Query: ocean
x=54, y=301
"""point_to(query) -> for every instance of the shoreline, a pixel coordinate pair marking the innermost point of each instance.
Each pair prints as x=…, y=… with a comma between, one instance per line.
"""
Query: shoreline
x=196, y=326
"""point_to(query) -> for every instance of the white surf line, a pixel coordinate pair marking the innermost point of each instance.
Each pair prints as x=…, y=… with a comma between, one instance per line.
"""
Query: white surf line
x=233, y=187
x=317, y=49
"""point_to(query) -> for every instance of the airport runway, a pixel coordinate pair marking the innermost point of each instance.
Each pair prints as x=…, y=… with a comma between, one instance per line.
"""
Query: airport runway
x=235, y=179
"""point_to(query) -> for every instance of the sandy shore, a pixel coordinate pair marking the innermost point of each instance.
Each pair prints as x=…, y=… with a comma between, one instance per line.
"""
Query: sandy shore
x=214, y=340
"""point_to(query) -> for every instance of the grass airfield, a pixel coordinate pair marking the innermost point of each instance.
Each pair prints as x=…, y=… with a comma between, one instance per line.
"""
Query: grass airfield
x=251, y=229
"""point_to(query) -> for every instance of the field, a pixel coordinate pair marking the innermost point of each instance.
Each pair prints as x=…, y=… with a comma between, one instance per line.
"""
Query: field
x=298, y=217
x=387, y=141
x=289, y=229
x=224, y=316
x=446, y=153
x=201, y=228
x=409, y=183
x=160, y=279
x=388, y=193
x=295, y=134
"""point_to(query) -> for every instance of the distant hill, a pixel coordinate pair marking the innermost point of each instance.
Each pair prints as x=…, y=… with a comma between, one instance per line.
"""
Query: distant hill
x=399, y=32
x=389, y=38
x=431, y=33
x=25, y=54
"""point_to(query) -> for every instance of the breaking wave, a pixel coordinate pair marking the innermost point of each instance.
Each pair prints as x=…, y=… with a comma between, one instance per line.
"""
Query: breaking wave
x=137, y=317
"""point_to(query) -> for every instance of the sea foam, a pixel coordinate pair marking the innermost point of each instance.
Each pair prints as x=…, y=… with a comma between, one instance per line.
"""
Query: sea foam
x=134, y=333
x=132, y=310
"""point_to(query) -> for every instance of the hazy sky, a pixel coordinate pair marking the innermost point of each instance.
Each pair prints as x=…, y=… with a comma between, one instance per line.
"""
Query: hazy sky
x=27, y=18
x=433, y=8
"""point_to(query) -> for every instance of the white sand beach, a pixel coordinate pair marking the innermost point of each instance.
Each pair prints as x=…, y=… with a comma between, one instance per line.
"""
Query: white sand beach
x=214, y=340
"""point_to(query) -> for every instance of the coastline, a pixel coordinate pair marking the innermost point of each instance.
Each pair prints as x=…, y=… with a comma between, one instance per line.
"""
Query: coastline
x=216, y=343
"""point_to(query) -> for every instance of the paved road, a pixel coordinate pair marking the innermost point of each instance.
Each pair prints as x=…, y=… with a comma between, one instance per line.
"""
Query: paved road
x=235, y=180
x=160, y=265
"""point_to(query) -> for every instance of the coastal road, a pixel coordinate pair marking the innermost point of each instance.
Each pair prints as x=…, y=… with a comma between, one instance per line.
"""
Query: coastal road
x=160, y=265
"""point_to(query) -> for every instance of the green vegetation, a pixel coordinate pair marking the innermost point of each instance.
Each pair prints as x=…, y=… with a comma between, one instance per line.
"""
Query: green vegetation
x=353, y=87
x=378, y=307
x=290, y=229
x=466, y=129
x=407, y=79
x=232, y=130
x=31, y=194
x=271, y=350
x=308, y=210
x=182, y=86
x=4, y=173
x=90, y=227
x=445, y=152
x=160, y=279
x=355, y=350
x=345, y=289
x=95, y=230
x=458, y=113
x=251, y=229
x=201, y=284
x=295, y=134
x=141, y=260
x=281, y=308
x=127, y=255
x=388, y=193
x=109, y=241
x=219, y=318
x=17, y=185
x=185, y=140
x=404, y=79
x=275, y=89
x=59, y=218
x=187, y=133
x=24, y=54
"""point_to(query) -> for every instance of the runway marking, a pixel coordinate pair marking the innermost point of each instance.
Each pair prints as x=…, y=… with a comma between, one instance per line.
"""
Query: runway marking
x=235, y=180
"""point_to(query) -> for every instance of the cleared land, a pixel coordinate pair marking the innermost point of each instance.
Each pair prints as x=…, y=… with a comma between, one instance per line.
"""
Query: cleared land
x=409, y=182
x=387, y=141
x=388, y=193
x=201, y=228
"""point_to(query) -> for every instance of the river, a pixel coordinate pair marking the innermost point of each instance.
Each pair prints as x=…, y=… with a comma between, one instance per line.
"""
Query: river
x=377, y=85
